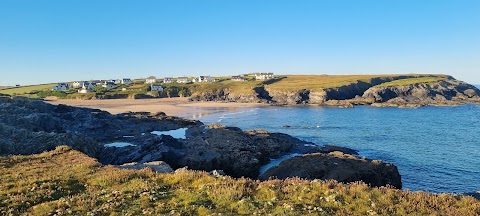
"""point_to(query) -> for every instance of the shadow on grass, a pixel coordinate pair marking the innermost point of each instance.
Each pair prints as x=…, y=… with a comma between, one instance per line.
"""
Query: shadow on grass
x=271, y=81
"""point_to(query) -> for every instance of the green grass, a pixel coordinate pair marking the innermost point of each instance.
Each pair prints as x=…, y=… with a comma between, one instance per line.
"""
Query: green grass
x=65, y=181
x=27, y=89
x=321, y=82
x=242, y=87
x=411, y=81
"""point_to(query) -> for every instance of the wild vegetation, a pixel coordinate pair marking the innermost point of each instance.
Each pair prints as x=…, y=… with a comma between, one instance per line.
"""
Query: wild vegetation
x=67, y=182
x=289, y=83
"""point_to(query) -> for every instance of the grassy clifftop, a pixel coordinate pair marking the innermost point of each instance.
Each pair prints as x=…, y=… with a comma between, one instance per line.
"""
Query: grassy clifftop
x=288, y=83
x=65, y=182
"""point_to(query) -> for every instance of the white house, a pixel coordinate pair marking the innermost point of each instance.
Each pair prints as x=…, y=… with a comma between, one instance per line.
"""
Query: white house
x=109, y=85
x=126, y=81
x=264, y=76
x=168, y=80
x=182, y=80
x=84, y=90
x=203, y=79
x=238, y=78
x=60, y=87
x=156, y=87
x=77, y=84
x=150, y=80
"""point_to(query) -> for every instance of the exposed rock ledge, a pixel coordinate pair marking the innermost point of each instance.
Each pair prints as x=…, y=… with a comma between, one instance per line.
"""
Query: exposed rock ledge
x=32, y=126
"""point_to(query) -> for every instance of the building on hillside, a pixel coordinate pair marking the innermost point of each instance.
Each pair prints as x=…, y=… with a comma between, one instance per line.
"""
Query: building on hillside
x=150, y=80
x=88, y=85
x=168, y=80
x=182, y=80
x=60, y=87
x=114, y=81
x=203, y=79
x=238, y=78
x=77, y=84
x=109, y=85
x=85, y=90
x=264, y=76
x=156, y=87
x=126, y=81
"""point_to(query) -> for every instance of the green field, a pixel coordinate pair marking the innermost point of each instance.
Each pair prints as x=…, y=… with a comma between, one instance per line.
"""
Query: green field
x=26, y=89
x=66, y=182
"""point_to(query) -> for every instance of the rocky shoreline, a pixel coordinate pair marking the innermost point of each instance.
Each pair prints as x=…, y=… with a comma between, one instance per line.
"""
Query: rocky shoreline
x=32, y=126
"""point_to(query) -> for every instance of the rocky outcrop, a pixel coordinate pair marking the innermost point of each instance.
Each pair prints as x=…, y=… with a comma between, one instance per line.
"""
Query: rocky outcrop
x=339, y=166
x=225, y=95
x=32, y=126
x=212, y=147
x=444, y=92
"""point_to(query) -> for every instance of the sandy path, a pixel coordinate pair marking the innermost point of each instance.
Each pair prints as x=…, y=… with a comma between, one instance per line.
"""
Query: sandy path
x=171, y=106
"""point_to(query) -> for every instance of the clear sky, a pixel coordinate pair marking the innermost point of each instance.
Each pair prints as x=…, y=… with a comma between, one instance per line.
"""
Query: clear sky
x=49, y=41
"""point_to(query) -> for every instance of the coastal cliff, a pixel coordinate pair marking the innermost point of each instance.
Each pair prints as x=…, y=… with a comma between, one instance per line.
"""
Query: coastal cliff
x=402, y=91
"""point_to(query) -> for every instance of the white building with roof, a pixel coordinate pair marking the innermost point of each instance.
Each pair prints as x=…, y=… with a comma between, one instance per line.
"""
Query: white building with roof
x=264, y=76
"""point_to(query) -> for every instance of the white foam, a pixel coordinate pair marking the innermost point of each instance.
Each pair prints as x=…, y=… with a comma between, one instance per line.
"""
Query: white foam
x=118, y=144
x=178, y=133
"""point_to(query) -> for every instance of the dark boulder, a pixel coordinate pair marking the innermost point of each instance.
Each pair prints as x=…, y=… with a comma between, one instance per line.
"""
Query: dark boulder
x=337, y=166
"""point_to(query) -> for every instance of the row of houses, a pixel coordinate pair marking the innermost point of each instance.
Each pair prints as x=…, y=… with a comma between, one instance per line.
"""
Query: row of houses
x=87, y=86
x=153, y=79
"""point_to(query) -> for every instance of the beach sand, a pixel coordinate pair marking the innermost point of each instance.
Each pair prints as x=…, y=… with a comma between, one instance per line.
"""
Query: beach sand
x=171, y=106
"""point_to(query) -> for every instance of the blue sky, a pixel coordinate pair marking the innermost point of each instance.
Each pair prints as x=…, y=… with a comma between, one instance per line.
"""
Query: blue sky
x=50, y=41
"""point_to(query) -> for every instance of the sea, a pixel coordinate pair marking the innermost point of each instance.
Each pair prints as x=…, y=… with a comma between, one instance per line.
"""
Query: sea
x=436, y=149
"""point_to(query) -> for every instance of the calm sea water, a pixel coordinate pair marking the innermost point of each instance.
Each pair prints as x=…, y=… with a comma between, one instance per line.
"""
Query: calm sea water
x=436, y=149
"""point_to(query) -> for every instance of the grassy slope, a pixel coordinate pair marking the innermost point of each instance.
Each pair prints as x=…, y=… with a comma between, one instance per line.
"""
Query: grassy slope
x=26, y=89
x=320, y=82
x=65, y=181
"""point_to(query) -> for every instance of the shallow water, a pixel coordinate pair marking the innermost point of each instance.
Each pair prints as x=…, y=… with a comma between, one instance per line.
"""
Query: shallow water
x=178, y=133
x=436, y=149
x=118, y=144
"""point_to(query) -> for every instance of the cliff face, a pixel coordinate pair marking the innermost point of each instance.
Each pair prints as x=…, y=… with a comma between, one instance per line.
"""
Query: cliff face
x=444, y=92
x=447, y=91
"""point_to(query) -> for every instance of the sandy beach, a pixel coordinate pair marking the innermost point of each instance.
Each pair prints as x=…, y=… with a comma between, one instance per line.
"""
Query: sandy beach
x=171, y=106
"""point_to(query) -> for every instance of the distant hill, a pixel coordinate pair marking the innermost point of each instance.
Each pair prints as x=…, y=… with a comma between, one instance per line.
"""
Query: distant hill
x=330, y=90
